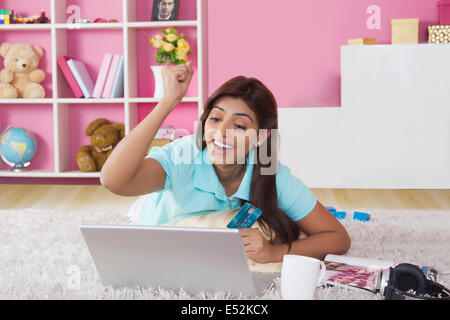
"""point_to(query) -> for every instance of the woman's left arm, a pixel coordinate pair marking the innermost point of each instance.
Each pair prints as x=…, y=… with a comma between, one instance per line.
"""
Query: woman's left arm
x=325, y=235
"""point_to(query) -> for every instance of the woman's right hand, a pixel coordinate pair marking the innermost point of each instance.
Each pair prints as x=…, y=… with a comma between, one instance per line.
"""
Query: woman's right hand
x=176, y=81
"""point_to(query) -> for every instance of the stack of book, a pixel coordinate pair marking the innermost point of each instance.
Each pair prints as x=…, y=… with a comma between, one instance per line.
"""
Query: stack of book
x=109, y=83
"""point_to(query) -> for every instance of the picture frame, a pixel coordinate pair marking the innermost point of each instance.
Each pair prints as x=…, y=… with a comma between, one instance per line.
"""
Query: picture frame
x=165, y=10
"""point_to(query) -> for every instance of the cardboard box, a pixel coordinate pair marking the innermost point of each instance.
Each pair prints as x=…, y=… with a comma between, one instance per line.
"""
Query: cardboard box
x=444, y=12
x=439, y=34
x=405, y=31
x=362, y=41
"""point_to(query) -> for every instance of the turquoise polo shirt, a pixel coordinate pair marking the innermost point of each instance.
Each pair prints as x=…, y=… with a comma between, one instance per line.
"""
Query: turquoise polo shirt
x=192, y=186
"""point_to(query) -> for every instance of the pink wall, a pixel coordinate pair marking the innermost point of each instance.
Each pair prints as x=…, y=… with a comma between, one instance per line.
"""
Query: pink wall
x=293, y=46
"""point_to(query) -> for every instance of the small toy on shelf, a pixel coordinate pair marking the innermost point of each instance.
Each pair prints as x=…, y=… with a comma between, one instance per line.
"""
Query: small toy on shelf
x=97, y=20
x=17, y=148
x=42, y=18
x=100, y=20
x=104, y=137
x=5, y=16
x=21, y=77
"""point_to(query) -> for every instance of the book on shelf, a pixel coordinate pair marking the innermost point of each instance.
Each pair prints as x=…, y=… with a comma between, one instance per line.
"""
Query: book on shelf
x=82, y=76
x=111, y=76
x=68, y=75
x=102, y=74
x=117, y=88
x=361, y=273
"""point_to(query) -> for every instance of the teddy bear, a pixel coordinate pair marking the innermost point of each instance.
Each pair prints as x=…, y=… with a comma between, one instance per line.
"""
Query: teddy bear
x=104, y=137
x=21, y=77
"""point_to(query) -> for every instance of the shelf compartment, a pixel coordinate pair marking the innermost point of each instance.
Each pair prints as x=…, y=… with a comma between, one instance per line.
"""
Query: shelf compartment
x=141, y=10
x=88, y=9
x=24, y=116
x=42, y=39
x=72, y=122
x=141, y=80
x=185, y=115
x=27, y=8
x=88, y=46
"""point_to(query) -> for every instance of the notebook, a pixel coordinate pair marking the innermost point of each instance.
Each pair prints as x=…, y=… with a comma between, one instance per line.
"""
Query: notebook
x=82, y=76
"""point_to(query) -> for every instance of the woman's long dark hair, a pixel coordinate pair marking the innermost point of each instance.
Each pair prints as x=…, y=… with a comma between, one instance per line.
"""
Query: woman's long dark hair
x=263, y=192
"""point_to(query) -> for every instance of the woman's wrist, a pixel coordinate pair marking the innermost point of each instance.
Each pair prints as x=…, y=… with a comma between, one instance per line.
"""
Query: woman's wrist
x=172, y=102
x=278, y=251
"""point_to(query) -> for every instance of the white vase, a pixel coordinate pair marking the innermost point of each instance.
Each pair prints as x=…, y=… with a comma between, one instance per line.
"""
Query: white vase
x=159, y=82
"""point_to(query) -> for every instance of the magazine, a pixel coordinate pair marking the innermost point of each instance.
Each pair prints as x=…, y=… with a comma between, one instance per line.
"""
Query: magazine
x=360, y=273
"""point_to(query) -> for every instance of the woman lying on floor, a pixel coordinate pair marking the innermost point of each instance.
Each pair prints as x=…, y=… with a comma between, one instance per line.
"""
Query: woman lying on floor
x=230, y=160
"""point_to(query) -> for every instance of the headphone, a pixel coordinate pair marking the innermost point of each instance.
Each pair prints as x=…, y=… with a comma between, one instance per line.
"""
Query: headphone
x=407, y=281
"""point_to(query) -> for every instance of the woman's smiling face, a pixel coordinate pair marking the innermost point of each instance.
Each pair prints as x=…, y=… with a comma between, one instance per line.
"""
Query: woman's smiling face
x=230, y=131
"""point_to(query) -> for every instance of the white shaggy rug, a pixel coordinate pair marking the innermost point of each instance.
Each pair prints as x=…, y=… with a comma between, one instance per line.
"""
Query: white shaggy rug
x=43, y=255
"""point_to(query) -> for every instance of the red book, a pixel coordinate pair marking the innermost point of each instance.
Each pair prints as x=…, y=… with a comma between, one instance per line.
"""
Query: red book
x=70, y=78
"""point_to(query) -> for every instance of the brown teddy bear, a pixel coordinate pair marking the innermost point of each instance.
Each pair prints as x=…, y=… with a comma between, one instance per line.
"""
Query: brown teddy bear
x=104, y=137
x=21, y=77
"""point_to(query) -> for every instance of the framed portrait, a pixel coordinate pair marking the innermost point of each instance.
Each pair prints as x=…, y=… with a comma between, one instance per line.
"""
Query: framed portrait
x=165, y=10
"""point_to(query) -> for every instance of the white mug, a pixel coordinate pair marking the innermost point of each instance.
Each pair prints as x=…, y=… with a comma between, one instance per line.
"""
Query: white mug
x=300, y=276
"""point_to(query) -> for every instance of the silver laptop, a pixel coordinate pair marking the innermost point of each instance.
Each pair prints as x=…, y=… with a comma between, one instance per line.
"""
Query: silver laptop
x=195, y=259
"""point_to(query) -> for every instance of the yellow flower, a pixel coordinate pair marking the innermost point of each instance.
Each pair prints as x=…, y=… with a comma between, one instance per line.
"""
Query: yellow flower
x=181, y=55
x=183, y=46
x=156, y=41
x=168, y=46
x=171, y=37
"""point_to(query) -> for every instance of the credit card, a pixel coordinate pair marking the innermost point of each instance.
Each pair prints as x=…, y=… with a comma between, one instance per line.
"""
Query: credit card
x=245, y=217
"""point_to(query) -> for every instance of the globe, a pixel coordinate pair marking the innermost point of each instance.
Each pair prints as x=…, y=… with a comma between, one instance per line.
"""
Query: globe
x=17, y=147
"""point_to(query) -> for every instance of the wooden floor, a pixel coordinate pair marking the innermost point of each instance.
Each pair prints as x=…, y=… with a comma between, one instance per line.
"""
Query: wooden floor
x=80, y=197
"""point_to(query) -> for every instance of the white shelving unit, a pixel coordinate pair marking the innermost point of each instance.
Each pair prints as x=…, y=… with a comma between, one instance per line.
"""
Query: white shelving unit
x=129, y=26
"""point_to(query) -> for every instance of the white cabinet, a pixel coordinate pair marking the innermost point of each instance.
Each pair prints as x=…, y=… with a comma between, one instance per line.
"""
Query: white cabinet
x=392, y=130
